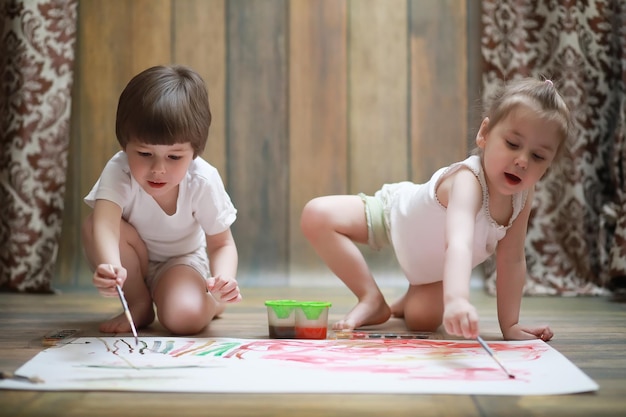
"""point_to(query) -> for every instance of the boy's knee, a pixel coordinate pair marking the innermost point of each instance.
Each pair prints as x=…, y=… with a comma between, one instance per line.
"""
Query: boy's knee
x=129, y=233
x=184, y=320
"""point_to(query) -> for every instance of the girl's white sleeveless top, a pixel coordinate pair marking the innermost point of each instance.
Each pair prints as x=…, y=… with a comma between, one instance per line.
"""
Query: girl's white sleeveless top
x=416, y=223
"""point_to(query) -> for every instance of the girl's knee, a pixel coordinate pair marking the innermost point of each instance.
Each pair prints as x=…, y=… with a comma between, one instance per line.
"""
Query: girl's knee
x=423, y=307
x=423, y=324
x=313, y=217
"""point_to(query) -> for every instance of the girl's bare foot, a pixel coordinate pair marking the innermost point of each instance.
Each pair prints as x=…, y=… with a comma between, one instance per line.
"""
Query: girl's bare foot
x=363, y=314
x=397, y=307
x=142, y=317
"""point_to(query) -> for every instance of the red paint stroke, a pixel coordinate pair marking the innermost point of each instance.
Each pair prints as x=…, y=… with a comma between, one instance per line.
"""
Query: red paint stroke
x=183, y=348
x=392, y=356
x=377, y=347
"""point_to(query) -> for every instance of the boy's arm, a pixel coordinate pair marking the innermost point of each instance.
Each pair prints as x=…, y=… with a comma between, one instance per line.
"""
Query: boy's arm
x=223, y=261
x=464, y=199
x=510, y=280
x=106, y=231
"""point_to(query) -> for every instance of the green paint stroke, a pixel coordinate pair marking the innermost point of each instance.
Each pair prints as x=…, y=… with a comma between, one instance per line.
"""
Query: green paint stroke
x=169, y=345
x=219, y=350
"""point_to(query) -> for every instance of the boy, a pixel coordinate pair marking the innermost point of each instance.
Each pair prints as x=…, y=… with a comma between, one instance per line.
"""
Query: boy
x=160, y=225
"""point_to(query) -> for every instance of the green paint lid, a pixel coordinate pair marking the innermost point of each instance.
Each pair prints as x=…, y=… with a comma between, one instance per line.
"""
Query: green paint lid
x=282, y=308
x=313, y=309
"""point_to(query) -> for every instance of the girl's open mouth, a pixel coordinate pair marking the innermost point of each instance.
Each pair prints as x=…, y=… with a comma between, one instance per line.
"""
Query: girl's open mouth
x=512, y=179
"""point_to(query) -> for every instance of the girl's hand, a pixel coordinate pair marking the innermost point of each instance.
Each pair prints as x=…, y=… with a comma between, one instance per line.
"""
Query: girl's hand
x=106, y=277
x=226, y=289
x=461, y=319
x=517, y=332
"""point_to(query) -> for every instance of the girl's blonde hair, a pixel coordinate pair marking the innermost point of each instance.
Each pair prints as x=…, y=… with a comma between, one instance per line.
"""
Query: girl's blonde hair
x=542, y=96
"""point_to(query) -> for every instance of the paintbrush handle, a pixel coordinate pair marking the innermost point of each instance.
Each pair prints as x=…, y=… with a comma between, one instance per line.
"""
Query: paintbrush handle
x=493, y=355
x=120, y=292
x=16, y=377
x=129, y=317
x=485, y=345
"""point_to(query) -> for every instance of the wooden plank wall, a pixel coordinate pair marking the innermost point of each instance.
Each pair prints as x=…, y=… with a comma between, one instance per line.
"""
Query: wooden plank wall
x=309, y=97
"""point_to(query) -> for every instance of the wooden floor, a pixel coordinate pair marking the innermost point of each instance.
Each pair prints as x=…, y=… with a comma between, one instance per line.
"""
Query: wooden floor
x=591, y=332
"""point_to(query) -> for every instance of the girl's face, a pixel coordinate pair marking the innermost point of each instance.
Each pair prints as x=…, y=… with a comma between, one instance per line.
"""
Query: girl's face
x=159, y=169
x=518, y=150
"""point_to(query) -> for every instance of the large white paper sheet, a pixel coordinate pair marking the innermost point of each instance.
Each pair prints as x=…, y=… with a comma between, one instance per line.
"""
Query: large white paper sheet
x=172, y=364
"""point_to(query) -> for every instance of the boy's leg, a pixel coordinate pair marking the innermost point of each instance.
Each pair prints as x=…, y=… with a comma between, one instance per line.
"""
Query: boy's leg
x=332, y=224
x=423, y=307
x=183, y=304
x=134, y=258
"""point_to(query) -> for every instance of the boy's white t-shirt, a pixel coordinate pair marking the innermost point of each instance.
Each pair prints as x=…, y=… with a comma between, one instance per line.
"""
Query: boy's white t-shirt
x=203, y=207
x=417, y=223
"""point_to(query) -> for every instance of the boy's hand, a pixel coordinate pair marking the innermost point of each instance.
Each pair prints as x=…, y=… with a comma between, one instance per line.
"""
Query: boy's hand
x=226, y=289
x=517, y=332
x=106, y=276
x=460, y=319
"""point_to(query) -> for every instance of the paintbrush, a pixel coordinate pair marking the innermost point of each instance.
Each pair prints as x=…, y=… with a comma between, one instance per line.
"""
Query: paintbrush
x=126, y=310
x=23, y=378
x=493, y=355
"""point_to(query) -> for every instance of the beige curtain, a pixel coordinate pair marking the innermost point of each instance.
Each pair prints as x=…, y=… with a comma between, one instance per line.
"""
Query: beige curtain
x=577, y=234
x=36, y=60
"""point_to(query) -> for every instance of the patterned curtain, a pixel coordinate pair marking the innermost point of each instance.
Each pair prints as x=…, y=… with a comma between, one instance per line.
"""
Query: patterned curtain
x=576, y=241
x=36, y=62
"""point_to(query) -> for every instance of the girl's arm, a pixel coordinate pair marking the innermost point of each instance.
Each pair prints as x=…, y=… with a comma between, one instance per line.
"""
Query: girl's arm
x=106, y=251
x=510, y=280
x=223, y=261
x=464, y=199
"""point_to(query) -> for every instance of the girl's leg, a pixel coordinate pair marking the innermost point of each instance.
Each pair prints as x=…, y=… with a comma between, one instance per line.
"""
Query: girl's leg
x=332, y=224
x=397, y=307
x=183, y=304
x=422, y=307
x=134, y=257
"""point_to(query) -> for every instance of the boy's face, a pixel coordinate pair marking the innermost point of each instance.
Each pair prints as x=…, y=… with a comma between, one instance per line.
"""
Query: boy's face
x=518, y=150
x=159, y=168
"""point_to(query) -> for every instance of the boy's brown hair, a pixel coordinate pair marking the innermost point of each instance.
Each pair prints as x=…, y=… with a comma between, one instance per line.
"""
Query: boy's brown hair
x=164, y=105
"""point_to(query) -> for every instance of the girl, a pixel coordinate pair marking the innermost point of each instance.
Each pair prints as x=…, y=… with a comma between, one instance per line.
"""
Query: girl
x=442, y=229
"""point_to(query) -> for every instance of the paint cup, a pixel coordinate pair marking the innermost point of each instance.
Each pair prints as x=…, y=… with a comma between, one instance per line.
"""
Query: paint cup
x=312, y=320
x=281, y=318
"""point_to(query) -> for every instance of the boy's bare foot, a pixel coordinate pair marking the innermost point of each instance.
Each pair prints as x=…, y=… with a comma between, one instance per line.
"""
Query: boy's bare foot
x=119, y=324
x=364, y=314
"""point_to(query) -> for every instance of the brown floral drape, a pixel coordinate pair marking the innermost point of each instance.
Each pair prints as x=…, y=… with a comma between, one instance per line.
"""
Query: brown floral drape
x=36, y=62
x=577, y=233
